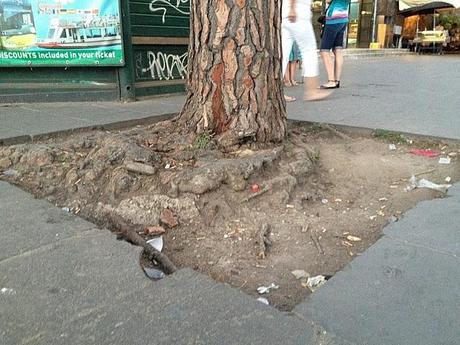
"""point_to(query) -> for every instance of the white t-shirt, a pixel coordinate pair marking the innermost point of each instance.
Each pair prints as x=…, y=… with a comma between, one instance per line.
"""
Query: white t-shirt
x=302, y=8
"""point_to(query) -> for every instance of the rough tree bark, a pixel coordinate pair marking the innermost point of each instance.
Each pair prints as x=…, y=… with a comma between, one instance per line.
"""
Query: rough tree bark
x=234, y=71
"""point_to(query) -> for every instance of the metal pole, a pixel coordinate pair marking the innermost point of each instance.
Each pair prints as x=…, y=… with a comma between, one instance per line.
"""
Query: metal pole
x=374, y=22
x=126, y=77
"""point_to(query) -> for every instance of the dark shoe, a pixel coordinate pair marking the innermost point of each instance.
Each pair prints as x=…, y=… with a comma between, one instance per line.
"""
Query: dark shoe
x=337, y=84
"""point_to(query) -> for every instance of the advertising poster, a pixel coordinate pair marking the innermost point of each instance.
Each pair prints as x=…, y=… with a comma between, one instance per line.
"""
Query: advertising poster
x=60, y=33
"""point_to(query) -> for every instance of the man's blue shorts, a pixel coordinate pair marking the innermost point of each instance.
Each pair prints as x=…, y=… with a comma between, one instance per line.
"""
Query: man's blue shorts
x=333, y=36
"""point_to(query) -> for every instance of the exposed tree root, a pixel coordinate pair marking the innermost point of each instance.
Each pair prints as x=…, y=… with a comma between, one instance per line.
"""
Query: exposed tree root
x=264, y=241
x=129, y=233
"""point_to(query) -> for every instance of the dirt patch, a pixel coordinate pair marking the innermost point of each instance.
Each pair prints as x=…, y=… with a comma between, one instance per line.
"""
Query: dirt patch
x=247, y=217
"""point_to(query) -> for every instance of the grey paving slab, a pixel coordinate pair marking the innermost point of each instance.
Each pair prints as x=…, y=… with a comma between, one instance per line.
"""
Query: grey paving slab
x=432, y=224
x=85, y=287
x=102, y=298
x=9, y=132
x=28, y=224
x=63, y=294
x=43, y=122
x=393, y=294
x=406, y=94
x=404, y=289
x=99, y=301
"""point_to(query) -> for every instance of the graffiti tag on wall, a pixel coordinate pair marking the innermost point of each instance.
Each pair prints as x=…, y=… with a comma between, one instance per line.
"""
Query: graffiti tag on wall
x=161, y=66
x=162, y=6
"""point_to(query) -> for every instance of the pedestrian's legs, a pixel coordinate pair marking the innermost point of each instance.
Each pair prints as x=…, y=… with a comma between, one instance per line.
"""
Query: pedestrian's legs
x=287, y=75
x=287, y=41
x=328, y=65
x=292, y=72
x=338, y=52
x=305, y=37
x=303, y=33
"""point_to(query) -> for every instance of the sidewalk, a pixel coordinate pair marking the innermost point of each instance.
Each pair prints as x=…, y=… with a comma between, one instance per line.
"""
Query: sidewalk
x=24, y=122
x=63, y=281
x=414, y=94
x=402, y=290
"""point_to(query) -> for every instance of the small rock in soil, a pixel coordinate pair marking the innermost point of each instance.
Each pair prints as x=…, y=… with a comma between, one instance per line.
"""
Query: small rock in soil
x=266, y=289
x=10, y=173
x=120, y=181
x=154, y=230
x=255, y=188
x=299, y=274
x=314, y=283
x=353, y=238
x=140, y=168
x=142, y=155
x=136, y=210
x=154, y=273
x=5, y=163
x=37, y=158
x=393, y=219
x=167, y=218
x=300, y=168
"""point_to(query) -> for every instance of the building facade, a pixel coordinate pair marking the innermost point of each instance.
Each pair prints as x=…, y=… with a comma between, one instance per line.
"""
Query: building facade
x=154, y=34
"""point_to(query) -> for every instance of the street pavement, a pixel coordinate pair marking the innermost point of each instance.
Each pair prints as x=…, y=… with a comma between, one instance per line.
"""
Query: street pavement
x=402, y=290
x=413, y=93
x=64, y=281
x=22, y=122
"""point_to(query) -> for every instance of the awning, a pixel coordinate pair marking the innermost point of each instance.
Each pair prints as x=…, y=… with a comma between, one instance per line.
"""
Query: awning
x=415, y=5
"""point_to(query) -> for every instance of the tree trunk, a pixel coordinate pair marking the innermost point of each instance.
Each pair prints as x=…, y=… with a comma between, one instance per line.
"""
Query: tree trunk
x=234, y=71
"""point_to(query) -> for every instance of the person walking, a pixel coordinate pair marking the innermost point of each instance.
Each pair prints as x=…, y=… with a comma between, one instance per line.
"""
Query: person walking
x=295, y=59
x=332, y=39
x=296, y=26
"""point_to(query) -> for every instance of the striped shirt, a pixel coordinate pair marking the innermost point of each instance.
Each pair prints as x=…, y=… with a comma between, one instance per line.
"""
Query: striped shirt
x=338, y=12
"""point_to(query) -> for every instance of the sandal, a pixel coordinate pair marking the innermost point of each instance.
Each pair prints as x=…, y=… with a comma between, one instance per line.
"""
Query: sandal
x=289, y=98
x=331, y=84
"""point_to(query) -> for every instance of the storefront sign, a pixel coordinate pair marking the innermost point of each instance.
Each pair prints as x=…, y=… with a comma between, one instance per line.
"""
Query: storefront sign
x=60, y=33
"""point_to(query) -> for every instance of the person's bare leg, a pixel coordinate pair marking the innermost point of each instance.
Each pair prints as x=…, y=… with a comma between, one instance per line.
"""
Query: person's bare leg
x=312, y=90
x=292, y=73
x=338, y=64
x=287, y=75
x=329, y=65
x=287, y=42
x=305, y=38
